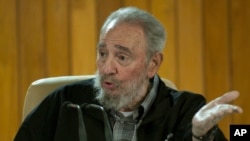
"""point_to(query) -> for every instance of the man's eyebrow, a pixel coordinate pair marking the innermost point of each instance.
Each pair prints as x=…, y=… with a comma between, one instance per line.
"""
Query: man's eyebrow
x=101, y=45
x=119, y=47
x=125, y=49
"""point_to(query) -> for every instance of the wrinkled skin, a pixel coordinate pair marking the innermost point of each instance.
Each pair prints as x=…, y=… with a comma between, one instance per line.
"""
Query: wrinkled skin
x=213, y=112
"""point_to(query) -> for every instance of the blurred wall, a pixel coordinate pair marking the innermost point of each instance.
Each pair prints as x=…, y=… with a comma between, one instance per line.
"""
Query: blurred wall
x=207, y=50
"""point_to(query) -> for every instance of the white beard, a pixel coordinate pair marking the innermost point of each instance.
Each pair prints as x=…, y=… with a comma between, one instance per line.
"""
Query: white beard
x=124, y=96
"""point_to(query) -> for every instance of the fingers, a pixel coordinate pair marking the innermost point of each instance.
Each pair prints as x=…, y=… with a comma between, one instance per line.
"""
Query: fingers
x=226, y=98
x=222, y=110
x=217, y=112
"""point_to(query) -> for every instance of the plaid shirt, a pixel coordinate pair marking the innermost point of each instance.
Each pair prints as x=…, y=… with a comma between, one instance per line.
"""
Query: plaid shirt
x=124, y=128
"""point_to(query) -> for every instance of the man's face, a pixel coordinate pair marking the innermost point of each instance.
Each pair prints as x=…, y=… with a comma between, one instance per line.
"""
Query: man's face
x=122, y=70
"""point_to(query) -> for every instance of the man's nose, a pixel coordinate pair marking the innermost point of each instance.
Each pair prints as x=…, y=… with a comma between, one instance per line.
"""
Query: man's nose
x=109, y=66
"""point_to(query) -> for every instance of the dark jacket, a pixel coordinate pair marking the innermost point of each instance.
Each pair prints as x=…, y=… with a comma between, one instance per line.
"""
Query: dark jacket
x=171, y=113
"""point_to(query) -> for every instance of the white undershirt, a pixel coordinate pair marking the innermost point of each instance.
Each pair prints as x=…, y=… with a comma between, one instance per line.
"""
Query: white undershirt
x=126, y=114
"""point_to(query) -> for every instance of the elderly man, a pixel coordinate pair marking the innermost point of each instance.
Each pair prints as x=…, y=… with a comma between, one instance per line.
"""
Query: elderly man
x=127, y=101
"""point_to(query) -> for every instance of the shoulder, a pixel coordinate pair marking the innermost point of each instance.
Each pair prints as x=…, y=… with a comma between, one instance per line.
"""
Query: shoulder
x=180, y=96
x=77, y=92
x=187, y=102
x=190, y=99
x=82, y=84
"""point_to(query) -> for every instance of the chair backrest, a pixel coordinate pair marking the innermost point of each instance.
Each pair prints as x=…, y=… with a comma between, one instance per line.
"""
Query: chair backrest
x=39, y=89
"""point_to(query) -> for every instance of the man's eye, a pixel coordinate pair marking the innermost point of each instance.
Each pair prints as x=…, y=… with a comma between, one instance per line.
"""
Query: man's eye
x=122, y=58
x=102, y=54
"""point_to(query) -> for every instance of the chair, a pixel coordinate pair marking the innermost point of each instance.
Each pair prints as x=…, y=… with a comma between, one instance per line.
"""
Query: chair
x=39, y=89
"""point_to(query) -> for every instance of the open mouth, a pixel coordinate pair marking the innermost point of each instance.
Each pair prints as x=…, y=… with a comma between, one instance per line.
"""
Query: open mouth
x=108, y=85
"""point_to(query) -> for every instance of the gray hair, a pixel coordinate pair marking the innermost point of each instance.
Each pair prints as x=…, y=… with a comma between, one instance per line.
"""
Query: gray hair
x=153, y=29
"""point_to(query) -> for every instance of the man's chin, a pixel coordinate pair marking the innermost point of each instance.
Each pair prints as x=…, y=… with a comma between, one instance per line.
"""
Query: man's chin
x=109, y=92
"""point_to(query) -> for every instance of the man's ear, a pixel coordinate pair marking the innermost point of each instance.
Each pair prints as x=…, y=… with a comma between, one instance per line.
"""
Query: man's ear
x=154, y=64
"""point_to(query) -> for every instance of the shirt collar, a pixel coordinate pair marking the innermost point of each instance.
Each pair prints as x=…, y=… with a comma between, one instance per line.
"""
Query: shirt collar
x=149, y=99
